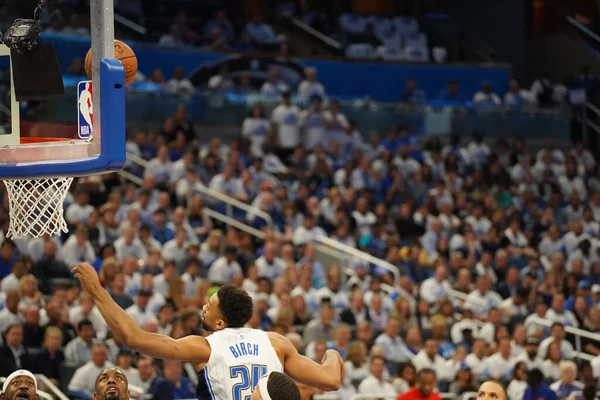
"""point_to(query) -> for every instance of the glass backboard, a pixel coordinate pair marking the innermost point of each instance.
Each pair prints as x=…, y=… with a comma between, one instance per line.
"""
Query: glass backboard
x=82, y=133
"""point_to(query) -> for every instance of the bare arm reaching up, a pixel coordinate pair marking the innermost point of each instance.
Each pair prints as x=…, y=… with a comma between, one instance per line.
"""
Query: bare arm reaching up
x=325, y=376
x=190, y=348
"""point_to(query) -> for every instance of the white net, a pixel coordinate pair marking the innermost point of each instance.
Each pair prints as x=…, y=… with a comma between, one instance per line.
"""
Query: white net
x=36, y=206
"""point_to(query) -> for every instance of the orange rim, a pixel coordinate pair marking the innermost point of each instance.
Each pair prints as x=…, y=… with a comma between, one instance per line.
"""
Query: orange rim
x=32, y=140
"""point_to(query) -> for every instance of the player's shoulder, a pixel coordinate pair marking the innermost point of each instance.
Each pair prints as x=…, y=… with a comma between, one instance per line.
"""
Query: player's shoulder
x=280, y=343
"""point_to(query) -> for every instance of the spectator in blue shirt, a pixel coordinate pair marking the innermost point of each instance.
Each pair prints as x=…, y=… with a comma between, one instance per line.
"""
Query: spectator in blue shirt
x=8, y=257
x=412, y=95
x=184, y=388
x=451, y=94
x=536, y=388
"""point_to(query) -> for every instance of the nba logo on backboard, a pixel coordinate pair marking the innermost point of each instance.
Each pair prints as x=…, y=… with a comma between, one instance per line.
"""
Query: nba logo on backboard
x=85, y=109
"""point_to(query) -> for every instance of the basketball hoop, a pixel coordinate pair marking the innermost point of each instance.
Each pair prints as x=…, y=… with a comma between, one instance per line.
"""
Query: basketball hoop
x=36, y=204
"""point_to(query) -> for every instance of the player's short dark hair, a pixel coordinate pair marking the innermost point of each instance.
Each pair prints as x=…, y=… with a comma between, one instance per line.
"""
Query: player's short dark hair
x=282, y=387
x=426, y=371
x=235, y=305
x=83, y=323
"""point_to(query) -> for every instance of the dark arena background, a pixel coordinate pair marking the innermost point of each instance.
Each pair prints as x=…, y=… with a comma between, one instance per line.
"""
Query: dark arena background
x=413, y=183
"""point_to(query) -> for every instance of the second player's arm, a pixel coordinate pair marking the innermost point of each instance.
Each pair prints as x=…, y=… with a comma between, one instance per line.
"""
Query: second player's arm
x=190, y=348
x=325, y=376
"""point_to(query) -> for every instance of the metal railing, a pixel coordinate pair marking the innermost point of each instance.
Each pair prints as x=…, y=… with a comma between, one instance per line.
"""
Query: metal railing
x=229, y=201
x=355, y=254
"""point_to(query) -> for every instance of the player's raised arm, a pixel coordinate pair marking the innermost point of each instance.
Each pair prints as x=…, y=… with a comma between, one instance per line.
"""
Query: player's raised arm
x=325, y=376
x=191, y=348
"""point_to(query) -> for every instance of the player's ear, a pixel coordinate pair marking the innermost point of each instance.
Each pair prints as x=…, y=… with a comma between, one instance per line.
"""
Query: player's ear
x=129, y=395
x=2, y=396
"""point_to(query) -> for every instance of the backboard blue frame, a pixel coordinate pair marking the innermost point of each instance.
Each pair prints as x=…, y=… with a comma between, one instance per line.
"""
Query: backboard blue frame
x=112, y=155
x=105, y=151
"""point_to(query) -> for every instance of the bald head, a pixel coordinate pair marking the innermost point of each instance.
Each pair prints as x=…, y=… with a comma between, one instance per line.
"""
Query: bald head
x=491, y=390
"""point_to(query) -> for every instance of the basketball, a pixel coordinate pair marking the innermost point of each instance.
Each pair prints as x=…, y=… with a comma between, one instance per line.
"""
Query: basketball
x=124, y=54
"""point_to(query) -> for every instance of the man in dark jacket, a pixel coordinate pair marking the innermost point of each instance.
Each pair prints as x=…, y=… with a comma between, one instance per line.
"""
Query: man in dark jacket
x=13, y=355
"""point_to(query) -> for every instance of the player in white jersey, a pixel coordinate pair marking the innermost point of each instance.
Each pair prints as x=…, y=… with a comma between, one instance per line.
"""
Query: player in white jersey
x=231, y=361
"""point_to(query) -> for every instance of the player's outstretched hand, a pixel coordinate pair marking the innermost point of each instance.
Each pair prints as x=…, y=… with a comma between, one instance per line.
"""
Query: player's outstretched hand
x=88, y=277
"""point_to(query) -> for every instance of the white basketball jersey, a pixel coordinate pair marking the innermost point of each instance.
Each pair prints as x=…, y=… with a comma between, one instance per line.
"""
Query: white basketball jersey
x=238, y=359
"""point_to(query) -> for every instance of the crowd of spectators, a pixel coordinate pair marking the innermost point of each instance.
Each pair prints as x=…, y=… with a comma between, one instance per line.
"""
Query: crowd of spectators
x=515, y=232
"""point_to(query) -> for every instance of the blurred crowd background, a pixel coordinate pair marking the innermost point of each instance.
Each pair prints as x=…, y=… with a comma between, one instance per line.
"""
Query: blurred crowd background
x=437, y=232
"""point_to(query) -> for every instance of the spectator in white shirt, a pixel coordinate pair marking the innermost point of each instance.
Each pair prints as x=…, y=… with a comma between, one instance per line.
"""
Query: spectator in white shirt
x=557, y=312
x=429, y=357
x=499, y=365
x=269, y=265
x=191, y=279
x=551, y=365
x=223, y=269
x=227, y=184
x=159, y=168
x=481, y=300
x=286, y=125
x=79, y=350
x=476, y=360
x=130, y=246
x=314, y=124
x=480, y=224
x=79, y=211
x=175, y=249
x=172, y=39
x=307, y=231
x=140, y=311
x=571, y=183
x=364, y=218
x=375, y=382
x=435, y=288
x=221, y=82
x=530, y=357
x=78, y=249
x=516, y=97
x=557, y=334
x=552, y=243
x=310, y=86
x=257, y=129
x=390, y=341
x=583, y=156
x=84, y=379
x=486, y=97
x=11, y=281
x=274, y=86
x=261, y=33
x=179, y=85
x=337, y=123
x=88, y=310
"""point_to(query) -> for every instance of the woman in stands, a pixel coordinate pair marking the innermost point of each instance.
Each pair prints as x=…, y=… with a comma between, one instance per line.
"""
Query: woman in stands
x=406, y=378
x=356, y=367
x=518, y=384
x=551, y=366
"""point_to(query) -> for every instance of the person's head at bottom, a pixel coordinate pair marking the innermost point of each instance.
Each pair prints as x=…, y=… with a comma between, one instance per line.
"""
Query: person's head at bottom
x=230, y=307
x=111, y=384
x=491, y=390
x=426, y=381
x=21, y=385
x=276, y=386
